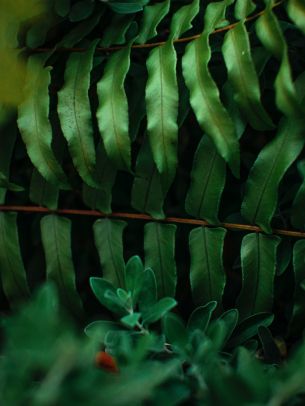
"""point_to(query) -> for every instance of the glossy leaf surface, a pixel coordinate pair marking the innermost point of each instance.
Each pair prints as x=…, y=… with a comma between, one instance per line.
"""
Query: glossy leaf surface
x=34, y=125
x=112, y=113
x=75, y=114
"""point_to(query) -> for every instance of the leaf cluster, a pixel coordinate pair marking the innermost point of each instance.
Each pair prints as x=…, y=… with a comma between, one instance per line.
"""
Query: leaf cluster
x=46, y=361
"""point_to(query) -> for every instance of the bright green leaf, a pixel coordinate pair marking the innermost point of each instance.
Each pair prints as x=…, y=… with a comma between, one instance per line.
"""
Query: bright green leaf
x=75, y=113
x=205, y=100
x=112, y=113
x=152, y=16
x=34, y=125
x=243, y=77
x=161, y=96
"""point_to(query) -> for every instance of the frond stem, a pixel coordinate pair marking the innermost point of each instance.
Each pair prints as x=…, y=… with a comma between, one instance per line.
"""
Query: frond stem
x=159, y=43
x=146, y=217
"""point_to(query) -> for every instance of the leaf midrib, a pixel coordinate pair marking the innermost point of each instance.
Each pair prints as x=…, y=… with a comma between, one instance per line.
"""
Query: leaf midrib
x=267, y=181
x=40, y=141
x=205, y=96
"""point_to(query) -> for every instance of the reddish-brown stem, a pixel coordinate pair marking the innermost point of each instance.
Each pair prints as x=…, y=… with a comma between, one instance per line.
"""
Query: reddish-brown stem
x=155, y=44
x=146, y=217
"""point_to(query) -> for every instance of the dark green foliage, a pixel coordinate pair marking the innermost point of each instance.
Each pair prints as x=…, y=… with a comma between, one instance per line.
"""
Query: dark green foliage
x=173, y=119
x=171, y=363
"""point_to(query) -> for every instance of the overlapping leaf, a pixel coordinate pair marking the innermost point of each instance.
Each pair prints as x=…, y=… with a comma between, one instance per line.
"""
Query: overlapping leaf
x=207, y=182
x=43, y=192
x=117, y=36
x=112, y=113
x=100, y=199
x=108, y=236
x=296, y=11
x=34, y=124
x=258, y=258
x=149, y=187
x=13, y=276
x=161, y=96
x=261, y=195
x=159, y=247
x=236, y=50
x=182, y=19
x=75, y=114
x=204, y=94
x=269, y=32
x=56, y=239
x=152, y=16
x=207, y=273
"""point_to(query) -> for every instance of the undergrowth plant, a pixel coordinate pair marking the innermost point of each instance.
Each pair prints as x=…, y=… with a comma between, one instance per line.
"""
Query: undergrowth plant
x=136, y=359
x=172, y=130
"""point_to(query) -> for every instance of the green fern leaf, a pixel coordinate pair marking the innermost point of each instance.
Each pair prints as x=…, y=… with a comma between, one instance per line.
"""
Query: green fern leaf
x=100, y=199
x=182, y=19
x=75, y=114
x=258, y=258
x=34, y=125
x=43, y=192
x=243, y=77
x=112, y=113
x=297, y=210
x=108, y=236
x=204, y=94
x=159, y=247
x=8, y=140
x=161, y=97
x=80, y=31
x=273, y=161
x=270, y=34
x=207, y=183
x=297, y=319
x=149, y=188
x=152, y=16
x=243, y=8
x=296, y=11
x=56, y=240
x=207, y=274
x=118, y=36
x=13, y=275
